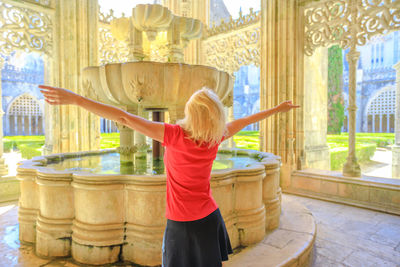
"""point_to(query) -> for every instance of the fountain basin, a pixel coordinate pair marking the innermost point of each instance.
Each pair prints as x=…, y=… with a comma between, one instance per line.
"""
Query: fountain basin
x=102, y=218
x=154, y=84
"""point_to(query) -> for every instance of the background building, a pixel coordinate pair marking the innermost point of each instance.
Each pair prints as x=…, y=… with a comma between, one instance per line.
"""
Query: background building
x=376, y=80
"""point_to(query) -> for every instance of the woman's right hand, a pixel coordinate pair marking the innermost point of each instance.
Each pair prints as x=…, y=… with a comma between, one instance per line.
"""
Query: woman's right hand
x=58, y=96
x=286, y=106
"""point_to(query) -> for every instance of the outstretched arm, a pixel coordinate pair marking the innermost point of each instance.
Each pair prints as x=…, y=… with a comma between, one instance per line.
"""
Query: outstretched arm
x=60, y=96
x=237, y=125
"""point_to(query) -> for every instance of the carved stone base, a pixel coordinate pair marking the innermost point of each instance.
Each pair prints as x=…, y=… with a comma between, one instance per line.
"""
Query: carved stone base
x=9, y=189
x=317, y=157
x=53, y=237
x=351, y=168
x=96, y=255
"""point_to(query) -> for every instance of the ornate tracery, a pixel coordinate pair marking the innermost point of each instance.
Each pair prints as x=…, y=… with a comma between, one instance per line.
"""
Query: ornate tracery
x=233, y=44
x=24, y=29
x=348, y=22
x=110, y=49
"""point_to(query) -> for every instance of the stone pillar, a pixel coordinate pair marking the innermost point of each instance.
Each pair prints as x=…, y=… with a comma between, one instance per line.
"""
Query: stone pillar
x=75, y=47
x=158, y=151
x=388, y=123
x=33, y=125
x=351, y=167
x=12, y=124
x=282, y=53
x=19, y=125
x=26, y=125
x=127, y=139
x=3, y=166
x=140, y=139
x=396, y=146
x=373, y=123
x=40, y=125
x=315, y=106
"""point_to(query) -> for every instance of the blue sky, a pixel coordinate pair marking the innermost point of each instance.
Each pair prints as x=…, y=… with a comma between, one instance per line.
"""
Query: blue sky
x=233, y=6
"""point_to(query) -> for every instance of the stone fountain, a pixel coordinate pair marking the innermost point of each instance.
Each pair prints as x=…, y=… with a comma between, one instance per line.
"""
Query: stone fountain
x=101, y=218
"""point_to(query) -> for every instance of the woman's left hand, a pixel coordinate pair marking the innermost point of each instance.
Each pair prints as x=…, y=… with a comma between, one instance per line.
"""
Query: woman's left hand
x=58, y=96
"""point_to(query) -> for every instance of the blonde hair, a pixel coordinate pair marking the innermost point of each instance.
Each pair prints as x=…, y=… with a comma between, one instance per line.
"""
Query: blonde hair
x=204, y=120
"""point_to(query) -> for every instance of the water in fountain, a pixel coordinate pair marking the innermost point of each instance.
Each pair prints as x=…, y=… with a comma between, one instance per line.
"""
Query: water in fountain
x=106, y=164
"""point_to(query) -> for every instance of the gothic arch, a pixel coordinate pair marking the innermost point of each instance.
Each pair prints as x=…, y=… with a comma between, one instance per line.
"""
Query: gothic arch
x=24, y=116
x=24, y=104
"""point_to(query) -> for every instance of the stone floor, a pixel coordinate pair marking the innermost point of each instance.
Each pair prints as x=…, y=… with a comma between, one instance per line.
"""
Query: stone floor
x=346, y=236
x=350, y=236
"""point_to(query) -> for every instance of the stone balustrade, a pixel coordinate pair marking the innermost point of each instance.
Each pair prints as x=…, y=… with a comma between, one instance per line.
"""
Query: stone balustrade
x=102, y=219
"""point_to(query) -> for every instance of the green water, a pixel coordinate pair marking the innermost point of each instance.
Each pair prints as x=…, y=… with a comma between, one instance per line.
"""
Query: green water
x=111, y=163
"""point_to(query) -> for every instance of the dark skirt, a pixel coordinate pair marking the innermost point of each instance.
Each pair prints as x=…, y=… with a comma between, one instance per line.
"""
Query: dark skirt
x=200, y=243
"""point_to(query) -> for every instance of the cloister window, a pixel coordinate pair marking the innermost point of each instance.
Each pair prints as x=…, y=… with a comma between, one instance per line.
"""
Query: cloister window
x=24, y=117
x=381, y=111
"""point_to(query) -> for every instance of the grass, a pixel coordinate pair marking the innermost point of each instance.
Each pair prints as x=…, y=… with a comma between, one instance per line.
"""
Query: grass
x=366, y=144
x=247, y=140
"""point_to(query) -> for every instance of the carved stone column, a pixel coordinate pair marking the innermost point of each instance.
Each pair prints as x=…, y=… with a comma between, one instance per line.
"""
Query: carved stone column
x=281, y=73
x=74, y=48
x=3, y=166
x=351, y=167
x=396, y=146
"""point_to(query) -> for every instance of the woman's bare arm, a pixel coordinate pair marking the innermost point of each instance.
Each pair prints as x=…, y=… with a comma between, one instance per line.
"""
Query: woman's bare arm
x=237, y=125
x=60, y=96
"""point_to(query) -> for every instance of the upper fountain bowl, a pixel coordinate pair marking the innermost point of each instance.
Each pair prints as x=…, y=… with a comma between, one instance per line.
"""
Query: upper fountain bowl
x=154, y=84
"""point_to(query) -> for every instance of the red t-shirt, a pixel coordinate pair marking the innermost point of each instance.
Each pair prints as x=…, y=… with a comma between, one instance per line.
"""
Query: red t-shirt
x=188, y=168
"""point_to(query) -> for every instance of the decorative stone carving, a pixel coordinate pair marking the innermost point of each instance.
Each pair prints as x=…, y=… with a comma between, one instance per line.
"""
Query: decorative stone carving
x=167, y=34
x=235, y=24
x=348, y=22
x=231, y=50
x=25, y=29
x=110, y=49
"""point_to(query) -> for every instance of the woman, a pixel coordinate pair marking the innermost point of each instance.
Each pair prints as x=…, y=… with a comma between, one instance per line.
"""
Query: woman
x=195, y=234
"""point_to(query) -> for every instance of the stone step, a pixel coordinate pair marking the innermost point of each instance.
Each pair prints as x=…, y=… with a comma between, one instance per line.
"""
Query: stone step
x=291, y=244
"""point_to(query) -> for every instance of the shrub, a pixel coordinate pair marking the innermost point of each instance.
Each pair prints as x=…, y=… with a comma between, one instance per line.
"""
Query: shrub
x=338, y=155
x=29, y=146
x=29, y=151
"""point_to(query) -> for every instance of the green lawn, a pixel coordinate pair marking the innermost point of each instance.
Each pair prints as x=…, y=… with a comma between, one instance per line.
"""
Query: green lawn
x=366, y=144
x=247, y=140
